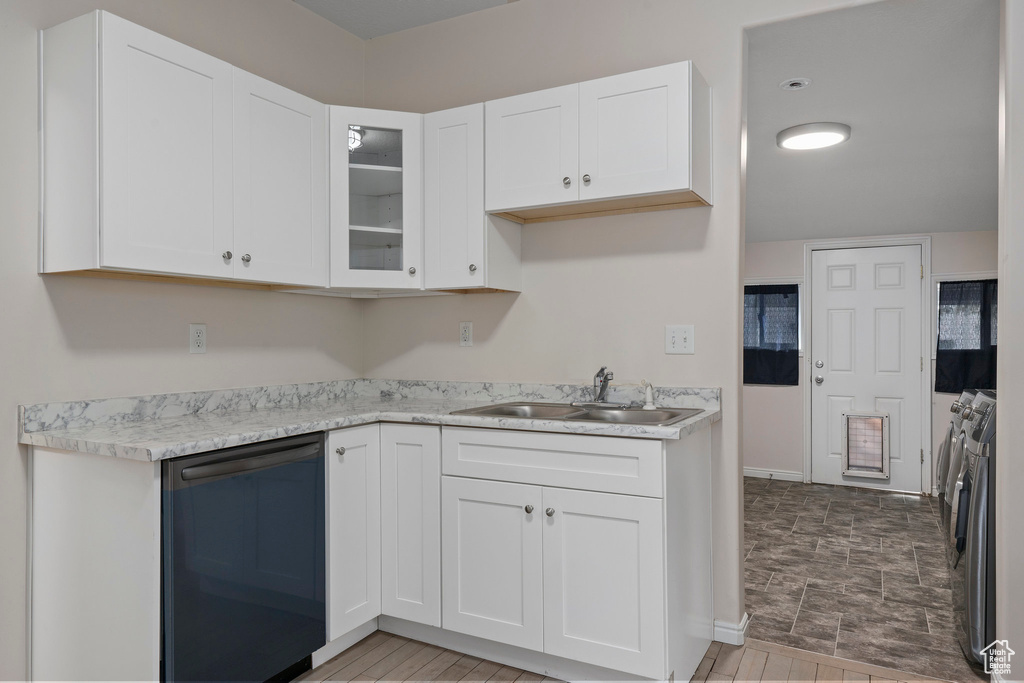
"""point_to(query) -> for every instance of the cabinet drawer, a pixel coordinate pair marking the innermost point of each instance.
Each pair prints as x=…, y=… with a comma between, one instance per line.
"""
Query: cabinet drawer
x=594, y=463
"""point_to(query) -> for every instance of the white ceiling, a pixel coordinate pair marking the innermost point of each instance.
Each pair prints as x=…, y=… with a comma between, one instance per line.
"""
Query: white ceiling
x=918, y=82
x=372, y=18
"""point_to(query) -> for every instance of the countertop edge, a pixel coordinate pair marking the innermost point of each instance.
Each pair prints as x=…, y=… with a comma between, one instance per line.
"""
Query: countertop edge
x=156, y=453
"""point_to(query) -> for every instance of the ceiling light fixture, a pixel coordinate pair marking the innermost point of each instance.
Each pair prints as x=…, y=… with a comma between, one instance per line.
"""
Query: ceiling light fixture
x=795, y=83
x=813, y=136
x=355, y=138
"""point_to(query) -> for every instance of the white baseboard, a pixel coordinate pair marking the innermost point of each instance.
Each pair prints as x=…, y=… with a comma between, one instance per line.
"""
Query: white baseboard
x=783, y=475
x=342, y=643
x=732, y=633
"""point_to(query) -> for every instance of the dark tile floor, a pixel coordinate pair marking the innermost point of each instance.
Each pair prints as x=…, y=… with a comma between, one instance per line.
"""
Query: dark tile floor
x=854, y=573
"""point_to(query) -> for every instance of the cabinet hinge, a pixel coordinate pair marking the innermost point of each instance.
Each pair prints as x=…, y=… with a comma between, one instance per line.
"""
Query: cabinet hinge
x=922, y=456
x=922, y=363
x=922, y=272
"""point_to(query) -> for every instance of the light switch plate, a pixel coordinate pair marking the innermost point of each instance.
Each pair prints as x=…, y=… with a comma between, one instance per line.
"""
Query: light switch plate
x=679, y=339
x=465, y=334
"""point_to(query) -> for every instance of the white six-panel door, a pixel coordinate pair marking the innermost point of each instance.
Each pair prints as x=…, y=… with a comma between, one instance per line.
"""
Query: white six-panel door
x=281, y=230
x=410, y=479
x=491, y=554
x=166, y=154
x=634, y=132
x=866, y=333
x=532, y=148
x=604, y=587
x=353, y=528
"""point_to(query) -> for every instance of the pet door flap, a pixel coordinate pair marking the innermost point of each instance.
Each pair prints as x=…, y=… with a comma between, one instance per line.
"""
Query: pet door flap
x=866, y=445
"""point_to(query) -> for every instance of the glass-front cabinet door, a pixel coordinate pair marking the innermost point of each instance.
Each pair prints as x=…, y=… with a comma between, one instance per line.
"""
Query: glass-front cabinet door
x=376, y=199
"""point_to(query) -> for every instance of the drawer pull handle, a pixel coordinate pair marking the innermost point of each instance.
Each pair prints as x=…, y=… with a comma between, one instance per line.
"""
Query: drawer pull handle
x=529, y=509
x=550, y=512
x=340, y=450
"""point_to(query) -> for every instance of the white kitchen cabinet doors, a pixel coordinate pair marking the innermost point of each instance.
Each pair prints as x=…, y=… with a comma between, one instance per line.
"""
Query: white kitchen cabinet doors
x=644, y=134
x=604, y=584
x=533, y=149
x=158, y=158
x=464, y=248
x=280, y=184
x=571, y=573
x=635, y=133
x=410, y=479
x=151, y=157
x=353, y=528
x=491, y=556
x=376, y=199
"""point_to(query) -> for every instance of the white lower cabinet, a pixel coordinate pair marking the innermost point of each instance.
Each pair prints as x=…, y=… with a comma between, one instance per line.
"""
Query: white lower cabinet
x=353, y=528
x=491, y=560
x=410, y=481
x=571, y=573
x=604, y=580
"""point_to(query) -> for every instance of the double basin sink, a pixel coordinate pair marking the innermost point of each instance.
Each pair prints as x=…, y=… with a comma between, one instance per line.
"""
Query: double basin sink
x=585, y=412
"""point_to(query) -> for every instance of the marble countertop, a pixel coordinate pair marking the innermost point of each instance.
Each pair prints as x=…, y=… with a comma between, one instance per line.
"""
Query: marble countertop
x=154, y=428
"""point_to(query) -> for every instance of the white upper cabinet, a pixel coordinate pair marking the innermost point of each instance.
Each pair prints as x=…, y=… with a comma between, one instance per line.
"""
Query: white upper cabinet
x=280, y=152
x=634, y=133
x=160, y=159
x=533, y=149
x=141, y=179
x=376, y=199
x=464, y=248
x=633, y=142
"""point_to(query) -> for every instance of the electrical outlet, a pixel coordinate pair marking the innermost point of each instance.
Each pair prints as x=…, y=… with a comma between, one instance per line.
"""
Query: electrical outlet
x=465, y=334
x=679, y=339
x=197, y=338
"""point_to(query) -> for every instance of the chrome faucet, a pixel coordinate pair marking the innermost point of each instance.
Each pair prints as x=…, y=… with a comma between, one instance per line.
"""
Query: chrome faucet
x=602, y=379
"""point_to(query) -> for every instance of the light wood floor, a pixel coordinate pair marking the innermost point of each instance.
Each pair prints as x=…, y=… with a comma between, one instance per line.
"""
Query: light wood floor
x=384, y=657
x=761, y=661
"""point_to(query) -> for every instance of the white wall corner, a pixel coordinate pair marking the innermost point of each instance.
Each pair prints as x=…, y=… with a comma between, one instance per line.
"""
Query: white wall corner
x=732, y=633
x=782, y=475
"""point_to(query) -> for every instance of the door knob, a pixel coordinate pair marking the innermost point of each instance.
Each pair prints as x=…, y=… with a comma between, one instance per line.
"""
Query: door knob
x=819, y=379
x=472, y=267
x=227, y=255
x=586, y=178
x=412, y=270
x=246, y=258
x=340, y=451
x=529, y=509
x=567, y=181
x=550, y=512
x=819, y=364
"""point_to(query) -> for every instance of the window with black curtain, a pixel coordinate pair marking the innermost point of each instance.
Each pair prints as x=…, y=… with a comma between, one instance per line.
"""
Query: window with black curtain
x=965, y=356
x=771, y=334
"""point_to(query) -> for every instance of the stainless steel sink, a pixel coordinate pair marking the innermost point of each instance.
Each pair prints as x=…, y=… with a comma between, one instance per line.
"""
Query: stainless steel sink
x=562, y=411
x=544, y=411
x=660, y=417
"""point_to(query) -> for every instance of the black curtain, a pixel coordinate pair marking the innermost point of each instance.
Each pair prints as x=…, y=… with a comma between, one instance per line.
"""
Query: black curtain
x=965, y=356
x=771, y=334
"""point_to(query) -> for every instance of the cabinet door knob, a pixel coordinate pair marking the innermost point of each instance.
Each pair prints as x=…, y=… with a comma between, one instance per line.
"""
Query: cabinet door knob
x=586, y=178
x=246, y=258
x=529, y=509
x=567, y=181
x=472, y=267
x=550, y=512
x=340, y=450
x=227, y=255
x=412, y=270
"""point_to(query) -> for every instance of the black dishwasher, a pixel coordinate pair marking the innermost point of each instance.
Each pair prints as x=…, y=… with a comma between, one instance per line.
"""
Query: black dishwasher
x=243, y=561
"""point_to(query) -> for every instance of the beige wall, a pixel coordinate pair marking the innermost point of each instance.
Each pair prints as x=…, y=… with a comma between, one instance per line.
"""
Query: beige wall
x=596, y=291
x=70, y=338
x=1010, y=379
x=779, y=410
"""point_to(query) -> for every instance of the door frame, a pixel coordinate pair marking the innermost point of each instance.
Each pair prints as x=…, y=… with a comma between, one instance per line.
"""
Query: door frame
x=923, y=241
